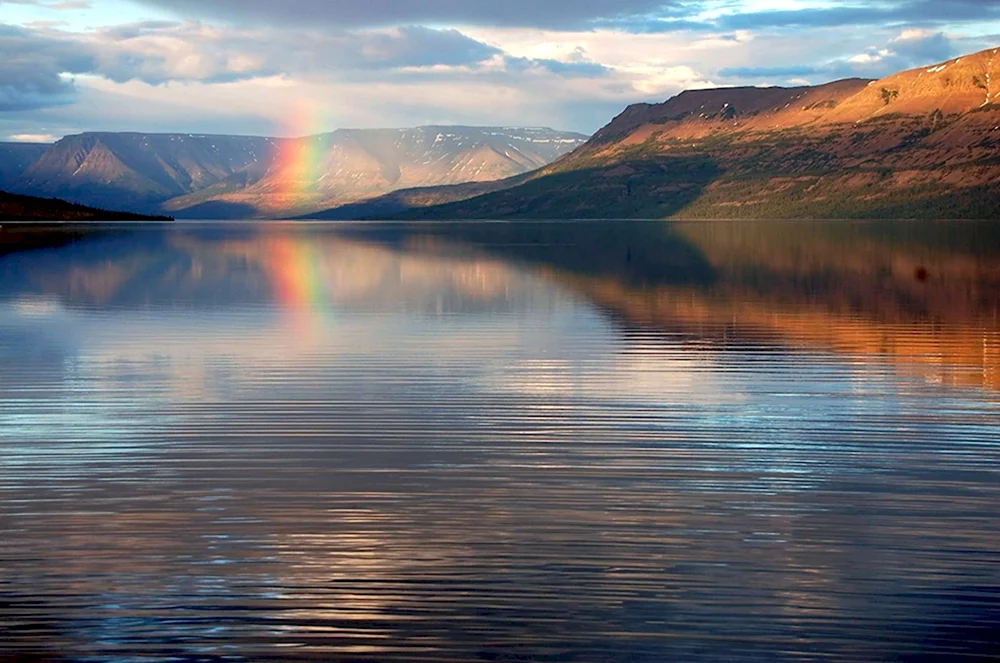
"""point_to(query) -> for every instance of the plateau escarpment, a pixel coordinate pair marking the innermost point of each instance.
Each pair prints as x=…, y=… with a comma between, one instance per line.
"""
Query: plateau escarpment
x=922, y=143
x=209, y=176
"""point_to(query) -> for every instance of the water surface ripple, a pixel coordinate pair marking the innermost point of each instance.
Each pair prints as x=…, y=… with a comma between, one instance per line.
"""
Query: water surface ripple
x=502, y=442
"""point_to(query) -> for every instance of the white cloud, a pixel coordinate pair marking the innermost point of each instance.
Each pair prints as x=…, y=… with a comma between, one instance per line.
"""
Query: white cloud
x=33, y=138
x=871, y=57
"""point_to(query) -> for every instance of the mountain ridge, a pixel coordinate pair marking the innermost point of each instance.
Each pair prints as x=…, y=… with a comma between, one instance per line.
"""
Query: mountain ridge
x=250, y=176
x=924, y=142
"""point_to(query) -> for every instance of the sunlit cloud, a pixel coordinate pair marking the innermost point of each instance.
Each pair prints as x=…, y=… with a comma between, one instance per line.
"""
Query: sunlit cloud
x=180, y=65
x=33, y=138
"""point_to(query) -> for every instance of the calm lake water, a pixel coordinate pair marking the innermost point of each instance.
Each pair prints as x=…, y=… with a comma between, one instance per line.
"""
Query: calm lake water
x=587, y=442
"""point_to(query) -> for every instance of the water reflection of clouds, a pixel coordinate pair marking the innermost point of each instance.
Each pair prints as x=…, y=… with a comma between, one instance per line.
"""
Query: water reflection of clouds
x=383, y=296
x=441, y=463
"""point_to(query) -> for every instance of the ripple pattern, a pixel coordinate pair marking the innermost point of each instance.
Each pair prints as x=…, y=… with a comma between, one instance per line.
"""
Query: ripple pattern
x=452, y=467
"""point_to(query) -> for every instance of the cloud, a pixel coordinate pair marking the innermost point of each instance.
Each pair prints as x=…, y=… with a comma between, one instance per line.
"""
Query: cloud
x=381, y=13
x=34, y=61
x=911, y=49
x=579, y=67
x=415, y=46
x=893, y=13
x=32, y=138
x=56, y=5
x=389, y=62
x=32, y=69
x=918, y=47
x=634, y=16
x=32, y=95
x=168, y=75
x=770, y=72
x=40, y=92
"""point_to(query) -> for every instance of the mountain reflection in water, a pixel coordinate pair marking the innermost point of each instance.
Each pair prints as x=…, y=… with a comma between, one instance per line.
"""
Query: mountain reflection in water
x=535, y=442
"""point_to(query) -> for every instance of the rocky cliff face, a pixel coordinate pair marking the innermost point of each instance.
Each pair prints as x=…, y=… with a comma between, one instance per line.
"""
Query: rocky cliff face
x=920, y=143
x=238, y=176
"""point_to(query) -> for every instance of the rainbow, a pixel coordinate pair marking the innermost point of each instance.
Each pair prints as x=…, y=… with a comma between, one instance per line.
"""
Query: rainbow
x=299, y=280
x=300, y=160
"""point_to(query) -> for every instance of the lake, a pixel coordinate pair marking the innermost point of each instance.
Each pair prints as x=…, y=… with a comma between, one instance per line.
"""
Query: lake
x=566, y=442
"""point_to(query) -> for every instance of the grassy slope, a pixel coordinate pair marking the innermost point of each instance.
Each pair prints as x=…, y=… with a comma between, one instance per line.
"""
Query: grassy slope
x=777, y=176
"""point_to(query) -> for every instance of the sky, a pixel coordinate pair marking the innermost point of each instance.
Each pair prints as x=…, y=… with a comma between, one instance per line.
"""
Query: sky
x=299, y=67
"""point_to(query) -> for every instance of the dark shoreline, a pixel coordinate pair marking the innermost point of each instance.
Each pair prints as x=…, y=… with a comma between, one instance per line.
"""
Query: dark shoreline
x=28, y=222
x=31, y=209
x=22, y=236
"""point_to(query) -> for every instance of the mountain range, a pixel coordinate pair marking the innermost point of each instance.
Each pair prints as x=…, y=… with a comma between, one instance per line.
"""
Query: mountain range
x=206, y=176
x=921, y=143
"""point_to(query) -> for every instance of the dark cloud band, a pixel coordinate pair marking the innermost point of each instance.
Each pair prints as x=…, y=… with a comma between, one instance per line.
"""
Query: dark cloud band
x=569, y=14
x=629, y=15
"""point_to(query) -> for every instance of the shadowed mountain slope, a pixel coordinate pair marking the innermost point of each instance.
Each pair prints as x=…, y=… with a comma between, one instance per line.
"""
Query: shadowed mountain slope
x=139, y=171
x=15, y=158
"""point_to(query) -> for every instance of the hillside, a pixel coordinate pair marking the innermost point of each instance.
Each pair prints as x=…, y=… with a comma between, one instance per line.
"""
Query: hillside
x=139, y=171
x=15, y=158
x=347, y=166
x=403, y=200
x=242, y=177
x=15, y=207
x=922, y=143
